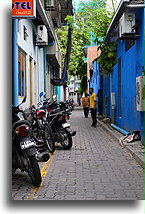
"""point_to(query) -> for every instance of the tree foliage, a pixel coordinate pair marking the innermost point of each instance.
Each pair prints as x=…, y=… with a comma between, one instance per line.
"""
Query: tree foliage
x=92, y=17
x=83, y=85
x=107, y=59
x=96, y=18
x=80, y=38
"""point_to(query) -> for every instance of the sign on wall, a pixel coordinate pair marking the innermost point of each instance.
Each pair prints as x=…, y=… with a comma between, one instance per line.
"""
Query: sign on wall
x=23, y=9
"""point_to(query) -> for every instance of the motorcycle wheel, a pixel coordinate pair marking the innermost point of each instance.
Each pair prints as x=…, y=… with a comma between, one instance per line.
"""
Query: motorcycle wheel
x=34, y=171
x=49, y=138
x=67, y=144
x=38, y=134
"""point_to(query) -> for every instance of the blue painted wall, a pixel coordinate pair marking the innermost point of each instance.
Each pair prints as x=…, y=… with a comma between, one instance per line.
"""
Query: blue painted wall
x=15, y=63
x=95, y=80
x=58, y=92
x=132, y=65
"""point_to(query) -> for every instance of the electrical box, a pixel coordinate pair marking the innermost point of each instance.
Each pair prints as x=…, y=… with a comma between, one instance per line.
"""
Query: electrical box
x=140, y=93
x=113, y=99
x=106, y=101
x=42, y=35
x=126, y=23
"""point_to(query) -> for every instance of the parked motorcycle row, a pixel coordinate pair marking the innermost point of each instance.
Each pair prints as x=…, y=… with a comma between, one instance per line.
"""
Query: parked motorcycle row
x=35, y=132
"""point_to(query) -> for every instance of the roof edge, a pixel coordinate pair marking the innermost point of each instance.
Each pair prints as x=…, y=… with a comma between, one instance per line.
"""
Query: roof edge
x=116, y=17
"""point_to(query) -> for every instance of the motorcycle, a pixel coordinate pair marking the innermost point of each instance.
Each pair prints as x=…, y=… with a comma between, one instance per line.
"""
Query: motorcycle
x=42, y=132
x=60, y=128
x=24, y=147
x=51, y=126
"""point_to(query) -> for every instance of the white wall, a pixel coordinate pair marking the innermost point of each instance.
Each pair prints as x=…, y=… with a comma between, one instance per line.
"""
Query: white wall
x=36, y=54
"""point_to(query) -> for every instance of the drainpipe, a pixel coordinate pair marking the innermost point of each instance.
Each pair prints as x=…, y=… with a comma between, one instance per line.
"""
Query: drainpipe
x=144, y=77
x=38, y=73
x=15, y=62
x=44, y=51
x=119, y=129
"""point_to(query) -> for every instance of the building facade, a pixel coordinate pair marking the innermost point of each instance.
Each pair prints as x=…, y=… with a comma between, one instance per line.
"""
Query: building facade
x=36, y=52
x=122, y=89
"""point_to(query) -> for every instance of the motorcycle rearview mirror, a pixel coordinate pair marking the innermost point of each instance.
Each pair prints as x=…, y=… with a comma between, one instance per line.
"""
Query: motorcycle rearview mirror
x=24, y=100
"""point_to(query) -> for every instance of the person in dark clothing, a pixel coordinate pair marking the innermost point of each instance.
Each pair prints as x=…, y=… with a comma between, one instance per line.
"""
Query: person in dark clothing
x=99, y=95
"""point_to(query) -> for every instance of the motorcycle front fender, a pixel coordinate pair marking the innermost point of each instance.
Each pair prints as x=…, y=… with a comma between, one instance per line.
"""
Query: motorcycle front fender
x=72, y=133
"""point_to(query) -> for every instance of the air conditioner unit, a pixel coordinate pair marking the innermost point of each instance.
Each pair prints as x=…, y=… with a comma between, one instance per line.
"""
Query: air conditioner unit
x=50, y=5
x=140, y=93
x=42, y=35
x=126, y=23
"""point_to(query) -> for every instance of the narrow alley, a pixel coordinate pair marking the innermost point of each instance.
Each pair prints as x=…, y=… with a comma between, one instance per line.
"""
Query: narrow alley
x=95, y=168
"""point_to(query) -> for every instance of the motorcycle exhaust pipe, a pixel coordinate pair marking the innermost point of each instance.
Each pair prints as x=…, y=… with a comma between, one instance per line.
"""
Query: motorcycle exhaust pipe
x=73, y=133
x=42, y=157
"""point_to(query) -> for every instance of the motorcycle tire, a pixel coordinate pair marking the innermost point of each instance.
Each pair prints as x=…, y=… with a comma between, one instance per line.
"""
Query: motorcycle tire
x=38, y=134
x=49, y=138
x=67, y=144
x=34, y=170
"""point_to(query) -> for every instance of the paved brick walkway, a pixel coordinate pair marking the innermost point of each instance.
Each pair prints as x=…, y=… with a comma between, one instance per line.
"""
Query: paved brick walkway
x=96, y=168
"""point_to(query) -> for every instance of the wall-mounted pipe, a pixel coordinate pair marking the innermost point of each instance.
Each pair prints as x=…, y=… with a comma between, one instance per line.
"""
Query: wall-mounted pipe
x=44, y=53
x=119, y=129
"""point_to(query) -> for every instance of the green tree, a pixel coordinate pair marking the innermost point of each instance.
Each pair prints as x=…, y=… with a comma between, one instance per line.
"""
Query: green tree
x=93, y=18
x=96, y=19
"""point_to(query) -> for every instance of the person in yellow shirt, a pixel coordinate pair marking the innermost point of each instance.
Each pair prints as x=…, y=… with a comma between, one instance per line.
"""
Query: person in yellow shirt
x=85, y=104
x=93, y=106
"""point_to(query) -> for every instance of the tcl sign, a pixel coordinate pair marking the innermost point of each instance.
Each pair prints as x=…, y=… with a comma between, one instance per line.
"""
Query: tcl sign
x=23, y=9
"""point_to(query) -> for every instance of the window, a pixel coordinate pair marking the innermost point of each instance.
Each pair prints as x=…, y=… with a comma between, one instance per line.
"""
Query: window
x=34, y=37
x=120, y=87
x=25, y=33
x=22, y=73
x=19, y=26
x=129, y=44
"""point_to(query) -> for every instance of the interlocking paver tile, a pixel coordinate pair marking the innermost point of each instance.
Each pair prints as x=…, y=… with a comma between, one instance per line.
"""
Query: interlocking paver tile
x=96, y=168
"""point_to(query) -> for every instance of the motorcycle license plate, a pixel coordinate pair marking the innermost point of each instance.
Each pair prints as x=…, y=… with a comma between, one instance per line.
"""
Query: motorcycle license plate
x=65, y=125
x=27, y=144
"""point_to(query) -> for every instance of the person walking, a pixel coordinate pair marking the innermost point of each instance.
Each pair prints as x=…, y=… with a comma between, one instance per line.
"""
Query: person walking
x=85, y=104
x=93, y=106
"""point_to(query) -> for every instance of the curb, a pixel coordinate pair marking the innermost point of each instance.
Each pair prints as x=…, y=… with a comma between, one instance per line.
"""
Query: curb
x=136, y=149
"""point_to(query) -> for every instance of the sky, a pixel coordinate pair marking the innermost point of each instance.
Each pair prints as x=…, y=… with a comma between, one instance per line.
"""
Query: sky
x=109, y=2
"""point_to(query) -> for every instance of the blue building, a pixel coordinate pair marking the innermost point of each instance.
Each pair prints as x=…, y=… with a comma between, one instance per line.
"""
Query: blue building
x=123, y=88
x=129, y=66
